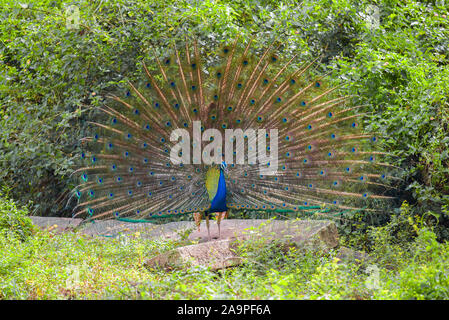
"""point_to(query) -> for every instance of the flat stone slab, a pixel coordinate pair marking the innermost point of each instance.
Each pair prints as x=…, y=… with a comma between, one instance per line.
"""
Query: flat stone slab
x=218, y=254
x=55, y=223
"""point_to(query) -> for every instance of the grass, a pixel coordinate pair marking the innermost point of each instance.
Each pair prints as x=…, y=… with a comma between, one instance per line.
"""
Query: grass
x=75, y=266
x=41, y=264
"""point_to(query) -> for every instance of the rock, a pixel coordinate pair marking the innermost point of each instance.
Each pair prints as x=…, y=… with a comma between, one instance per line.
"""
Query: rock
x=316, y=232
x=217, y=254
x=55, y=223
x=214, y=254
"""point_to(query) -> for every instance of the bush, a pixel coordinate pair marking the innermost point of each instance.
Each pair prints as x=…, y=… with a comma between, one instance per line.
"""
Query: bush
x=14, y=221
x=52, y=78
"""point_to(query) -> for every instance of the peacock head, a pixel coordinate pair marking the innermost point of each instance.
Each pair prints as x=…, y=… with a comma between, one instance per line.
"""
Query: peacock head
x=224, y=167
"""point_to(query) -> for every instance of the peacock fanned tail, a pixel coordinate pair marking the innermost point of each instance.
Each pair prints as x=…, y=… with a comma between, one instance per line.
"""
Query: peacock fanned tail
x=325, y=160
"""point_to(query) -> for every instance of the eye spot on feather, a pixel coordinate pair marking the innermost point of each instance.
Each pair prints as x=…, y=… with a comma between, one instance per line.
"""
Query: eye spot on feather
x=372, y=158
x=145, y=160
x=114, y=167
x=287, y=138
x=225, y=50
x=353, y=149
x=148, y=85
x=239, y=85
x=330, y=114
x=284, y=120
x=245, y=62
x=119, y=179
x=149, y=194
x=253, y=101
x=309, y=127
x=130, y=192
x=131, y=169
x=168, y=124
x=265, y=81
x=91, y=193
x=298, y=174
x=172, y=83
x=110, y=146
x=215, y=97
x=354, y=125
x=374, y=139
x=100, y=180
x=147, y=127
x=126, y=154
x=156, y=105
x=292, y=81
x=128, y=93
x=383, y=176
x=162, y=140
x=218, y=74
x=114, y=121
x=317, y=84
x=167, y=61
x=128, y=136
x=303, y=103
x=193, y=65
x=278, y=99
x=90, y=211
x=333, y=136
x=193, y=88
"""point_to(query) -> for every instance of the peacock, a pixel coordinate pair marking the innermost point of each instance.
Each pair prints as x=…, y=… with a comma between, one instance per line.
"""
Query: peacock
x=208, y=130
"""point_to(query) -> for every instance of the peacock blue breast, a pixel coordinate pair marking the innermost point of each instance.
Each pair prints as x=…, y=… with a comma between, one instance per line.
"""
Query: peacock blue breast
x=219, y=201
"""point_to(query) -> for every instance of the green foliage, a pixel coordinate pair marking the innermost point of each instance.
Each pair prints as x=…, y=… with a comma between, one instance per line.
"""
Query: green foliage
x=74, y=266
x=14, y=221
x=53, y=77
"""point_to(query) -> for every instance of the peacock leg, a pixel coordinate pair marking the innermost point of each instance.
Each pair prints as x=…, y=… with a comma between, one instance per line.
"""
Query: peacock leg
x=207, y=225
x=197, y=218
x=220, y=216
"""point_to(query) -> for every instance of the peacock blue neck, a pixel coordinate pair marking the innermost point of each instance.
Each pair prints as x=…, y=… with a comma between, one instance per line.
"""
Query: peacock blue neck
x=219, y=201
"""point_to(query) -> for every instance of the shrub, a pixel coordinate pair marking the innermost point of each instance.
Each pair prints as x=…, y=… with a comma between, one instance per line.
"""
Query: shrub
x=13, y=220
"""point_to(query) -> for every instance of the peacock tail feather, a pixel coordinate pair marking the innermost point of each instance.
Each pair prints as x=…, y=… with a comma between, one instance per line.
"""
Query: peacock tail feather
x=325, y=160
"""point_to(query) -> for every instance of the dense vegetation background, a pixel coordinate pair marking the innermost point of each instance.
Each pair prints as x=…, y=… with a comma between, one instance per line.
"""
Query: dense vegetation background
x=51, y=76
